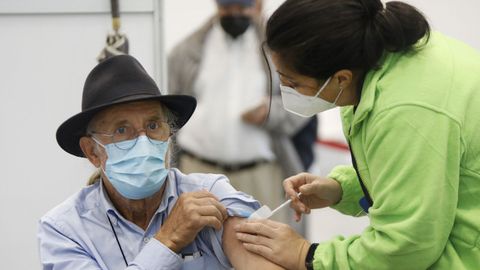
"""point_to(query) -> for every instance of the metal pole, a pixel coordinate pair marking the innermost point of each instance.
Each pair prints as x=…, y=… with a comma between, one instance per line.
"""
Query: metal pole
x=159, y=53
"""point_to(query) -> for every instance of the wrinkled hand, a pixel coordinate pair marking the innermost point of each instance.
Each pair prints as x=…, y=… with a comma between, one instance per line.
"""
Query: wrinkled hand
x=257, y=115
x=192, y=212
x=317, y=192
x=276, y=242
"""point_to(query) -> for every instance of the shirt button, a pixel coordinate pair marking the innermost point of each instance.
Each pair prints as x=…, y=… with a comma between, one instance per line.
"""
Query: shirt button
x=146, y=239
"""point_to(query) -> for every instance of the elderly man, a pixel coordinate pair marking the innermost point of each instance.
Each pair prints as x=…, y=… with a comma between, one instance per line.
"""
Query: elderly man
x=139, y=214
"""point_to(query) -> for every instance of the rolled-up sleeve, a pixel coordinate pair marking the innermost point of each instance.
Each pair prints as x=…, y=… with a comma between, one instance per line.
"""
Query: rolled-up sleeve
x=238, y=204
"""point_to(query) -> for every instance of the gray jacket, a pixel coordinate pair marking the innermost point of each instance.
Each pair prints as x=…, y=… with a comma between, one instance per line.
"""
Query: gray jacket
x=183, y=68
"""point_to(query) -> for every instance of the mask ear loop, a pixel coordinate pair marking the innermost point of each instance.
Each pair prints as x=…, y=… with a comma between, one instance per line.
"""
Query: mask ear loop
x=323, y=87
x=99, y=143
x=338, y=96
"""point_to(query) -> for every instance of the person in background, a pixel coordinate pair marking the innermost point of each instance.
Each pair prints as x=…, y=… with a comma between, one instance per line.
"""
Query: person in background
x=411, y=113
x=221, y=64
x=137, y=212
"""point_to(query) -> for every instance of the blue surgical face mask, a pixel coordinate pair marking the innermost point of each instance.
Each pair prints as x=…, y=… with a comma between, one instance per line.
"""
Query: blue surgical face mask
x=138, y=172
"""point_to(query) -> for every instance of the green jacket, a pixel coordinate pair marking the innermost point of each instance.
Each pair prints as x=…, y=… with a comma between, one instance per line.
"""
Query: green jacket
x=416, y=138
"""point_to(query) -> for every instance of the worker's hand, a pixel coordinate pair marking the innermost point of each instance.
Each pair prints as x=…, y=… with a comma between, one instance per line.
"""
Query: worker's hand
x=317, y=192
x=192, y=212
x=256, y=116
x=276, y=242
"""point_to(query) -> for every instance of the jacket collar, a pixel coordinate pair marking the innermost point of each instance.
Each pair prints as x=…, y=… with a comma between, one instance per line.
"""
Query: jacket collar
x=369, y=94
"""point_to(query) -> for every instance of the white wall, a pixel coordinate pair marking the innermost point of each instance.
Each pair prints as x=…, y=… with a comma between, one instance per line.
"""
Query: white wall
x=44, y=59
x=458, y=19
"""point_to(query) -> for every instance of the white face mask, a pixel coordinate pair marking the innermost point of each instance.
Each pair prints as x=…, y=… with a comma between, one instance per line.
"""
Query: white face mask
x=306, y=106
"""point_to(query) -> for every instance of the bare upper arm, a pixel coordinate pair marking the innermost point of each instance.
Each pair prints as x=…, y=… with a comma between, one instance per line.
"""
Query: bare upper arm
x=237, y=254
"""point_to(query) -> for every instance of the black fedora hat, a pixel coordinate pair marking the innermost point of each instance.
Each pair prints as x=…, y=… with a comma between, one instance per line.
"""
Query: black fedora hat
x=119, y=79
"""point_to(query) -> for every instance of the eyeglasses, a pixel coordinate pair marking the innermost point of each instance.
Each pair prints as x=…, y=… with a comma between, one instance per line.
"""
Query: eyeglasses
x=125, y=137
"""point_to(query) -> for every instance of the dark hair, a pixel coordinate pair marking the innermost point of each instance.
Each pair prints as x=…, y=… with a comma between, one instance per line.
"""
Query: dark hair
x=319, y=37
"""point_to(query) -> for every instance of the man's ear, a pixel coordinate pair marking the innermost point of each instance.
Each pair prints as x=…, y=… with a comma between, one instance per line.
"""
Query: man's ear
x=88, y=148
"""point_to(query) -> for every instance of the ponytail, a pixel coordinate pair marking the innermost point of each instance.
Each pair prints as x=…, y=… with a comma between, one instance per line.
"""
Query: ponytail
x=396, y=28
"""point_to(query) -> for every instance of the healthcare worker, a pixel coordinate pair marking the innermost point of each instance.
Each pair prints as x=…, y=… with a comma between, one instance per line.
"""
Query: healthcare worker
x=410, y=103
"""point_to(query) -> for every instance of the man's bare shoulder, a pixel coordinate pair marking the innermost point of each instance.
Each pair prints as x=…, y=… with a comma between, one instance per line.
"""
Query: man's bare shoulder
x=239, y=257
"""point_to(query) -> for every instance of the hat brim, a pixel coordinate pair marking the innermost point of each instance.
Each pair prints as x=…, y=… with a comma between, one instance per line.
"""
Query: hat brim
x=245, y=3
x=69, y=133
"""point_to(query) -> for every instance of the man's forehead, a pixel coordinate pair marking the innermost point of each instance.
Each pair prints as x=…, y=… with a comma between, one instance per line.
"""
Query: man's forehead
x=130, y=110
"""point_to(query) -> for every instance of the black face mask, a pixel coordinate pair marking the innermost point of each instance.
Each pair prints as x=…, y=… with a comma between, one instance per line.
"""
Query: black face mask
x=235, y=25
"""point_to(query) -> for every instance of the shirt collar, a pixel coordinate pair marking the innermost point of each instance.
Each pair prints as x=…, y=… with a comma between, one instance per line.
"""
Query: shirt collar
x=170, y=193
x=105, y=201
